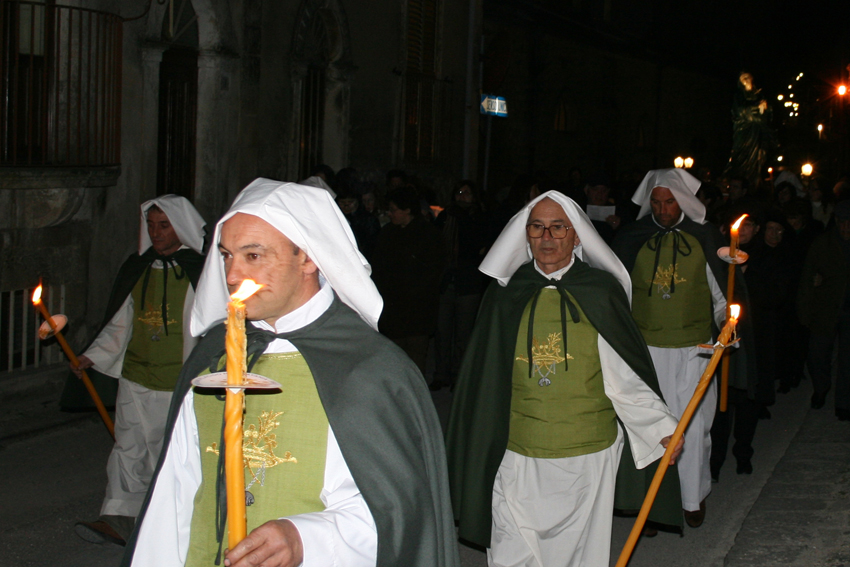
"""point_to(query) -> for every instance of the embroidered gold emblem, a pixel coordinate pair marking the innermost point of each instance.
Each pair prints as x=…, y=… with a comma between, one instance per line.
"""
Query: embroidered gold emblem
x=258, y=445
x=546, y=356
x=152, y=317
x=664, y=277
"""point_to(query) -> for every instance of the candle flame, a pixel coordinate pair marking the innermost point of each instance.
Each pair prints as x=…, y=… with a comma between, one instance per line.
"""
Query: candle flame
x=36, y=295
x=246, y=290
x=738, y=222
x=735, y=311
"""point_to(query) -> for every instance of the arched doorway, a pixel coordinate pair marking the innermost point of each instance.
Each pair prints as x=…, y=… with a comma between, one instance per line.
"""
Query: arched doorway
x=322, y=66
x=178, y=102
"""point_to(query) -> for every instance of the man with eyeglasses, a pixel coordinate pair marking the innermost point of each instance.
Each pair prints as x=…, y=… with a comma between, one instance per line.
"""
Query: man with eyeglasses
x=671, y=255
x=555, y=360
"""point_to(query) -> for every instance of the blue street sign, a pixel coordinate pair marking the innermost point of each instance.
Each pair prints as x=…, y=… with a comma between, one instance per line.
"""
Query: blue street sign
x=494, y=106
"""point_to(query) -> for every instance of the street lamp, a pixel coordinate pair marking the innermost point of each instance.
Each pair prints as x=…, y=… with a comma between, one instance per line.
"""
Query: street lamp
x=679, y=162
x=842, y=90
x=820, y=130
x=689, y=162
x=807, y=169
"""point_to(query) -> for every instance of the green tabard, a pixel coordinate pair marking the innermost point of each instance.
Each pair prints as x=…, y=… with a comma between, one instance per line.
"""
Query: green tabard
x=571, y=416
x=285, y=447
x=153, y=358
x=672, y=318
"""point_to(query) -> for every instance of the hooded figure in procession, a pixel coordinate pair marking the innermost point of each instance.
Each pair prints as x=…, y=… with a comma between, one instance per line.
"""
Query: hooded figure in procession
x=141, y=346
x=670, y=253
x=555, y=382
x=344, y=464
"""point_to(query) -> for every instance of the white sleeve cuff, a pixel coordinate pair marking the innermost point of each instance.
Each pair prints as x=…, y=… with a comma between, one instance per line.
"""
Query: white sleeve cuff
x=108, y=349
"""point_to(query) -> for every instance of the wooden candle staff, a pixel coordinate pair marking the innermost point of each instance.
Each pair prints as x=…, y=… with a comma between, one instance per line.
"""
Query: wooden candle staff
x=234, y=403
x=36, y=300
x=735, y=257
x=722, y=341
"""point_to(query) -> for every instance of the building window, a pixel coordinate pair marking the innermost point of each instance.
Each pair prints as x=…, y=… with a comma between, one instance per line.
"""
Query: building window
x=60, y=85
x=420, y=82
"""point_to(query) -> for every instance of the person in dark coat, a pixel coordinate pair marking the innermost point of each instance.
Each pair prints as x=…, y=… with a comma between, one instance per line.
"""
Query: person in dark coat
x=464, y=224
x=823, y=304
x=407, y=267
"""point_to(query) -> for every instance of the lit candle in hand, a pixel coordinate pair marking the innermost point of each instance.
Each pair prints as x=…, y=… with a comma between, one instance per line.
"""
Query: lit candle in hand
x=733, y=246
x=236, y=348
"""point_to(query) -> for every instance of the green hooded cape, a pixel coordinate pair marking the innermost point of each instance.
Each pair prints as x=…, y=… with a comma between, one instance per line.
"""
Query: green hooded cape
x=75, y=397
x=383, y=418
x=479, y=424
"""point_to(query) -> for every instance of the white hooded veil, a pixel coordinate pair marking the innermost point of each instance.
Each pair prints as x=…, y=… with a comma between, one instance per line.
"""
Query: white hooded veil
x=309, y=218
x=187, y=222
x=682, y=184
x=511, y=249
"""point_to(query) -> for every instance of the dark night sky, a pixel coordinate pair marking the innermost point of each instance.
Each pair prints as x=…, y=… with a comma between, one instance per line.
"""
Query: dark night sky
x=774, y=40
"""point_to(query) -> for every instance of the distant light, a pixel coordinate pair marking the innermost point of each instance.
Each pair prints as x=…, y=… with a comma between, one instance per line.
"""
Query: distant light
x=801, y=74
x=679, y=162
x=842, y=90
x=796, y=114
x=820, y=127
x=778, y=158
x=791, y=95
x=790, y=114
x=689, y=163
x=790, y=86
x=807, y=169
x=787, y=104
x=780, y=97
x=770, y=170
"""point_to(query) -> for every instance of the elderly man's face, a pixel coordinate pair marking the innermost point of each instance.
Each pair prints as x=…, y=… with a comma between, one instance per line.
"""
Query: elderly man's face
x=254, y=249
x=665, y=207
x=551, y=254
x=163, y=237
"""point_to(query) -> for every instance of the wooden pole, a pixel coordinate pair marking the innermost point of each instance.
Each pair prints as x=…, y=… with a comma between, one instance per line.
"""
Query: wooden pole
x=702, y=386
x=101, y=409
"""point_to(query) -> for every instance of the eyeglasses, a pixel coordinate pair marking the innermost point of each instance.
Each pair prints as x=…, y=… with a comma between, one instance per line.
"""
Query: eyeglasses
x=557, y=231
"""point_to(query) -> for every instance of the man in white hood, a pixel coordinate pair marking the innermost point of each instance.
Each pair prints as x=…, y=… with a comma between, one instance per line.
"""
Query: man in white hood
x=671, y=255
x=142, y=345
x=345, y=464
x=554, y=360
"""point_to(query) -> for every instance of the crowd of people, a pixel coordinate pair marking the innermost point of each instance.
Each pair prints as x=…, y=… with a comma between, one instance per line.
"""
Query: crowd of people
x=565, y=318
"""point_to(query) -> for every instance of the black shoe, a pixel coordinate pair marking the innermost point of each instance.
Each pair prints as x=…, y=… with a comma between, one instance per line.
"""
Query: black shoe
x=842, y=414
x=818, y=400
x=744, y=466
x=695, y=518
x=98, y=532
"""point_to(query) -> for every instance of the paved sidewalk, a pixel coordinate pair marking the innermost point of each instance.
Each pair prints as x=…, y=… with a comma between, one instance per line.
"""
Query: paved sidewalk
x=802, y=516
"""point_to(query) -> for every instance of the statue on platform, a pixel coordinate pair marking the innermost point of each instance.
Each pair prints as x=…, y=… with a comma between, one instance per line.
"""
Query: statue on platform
x=753, y=137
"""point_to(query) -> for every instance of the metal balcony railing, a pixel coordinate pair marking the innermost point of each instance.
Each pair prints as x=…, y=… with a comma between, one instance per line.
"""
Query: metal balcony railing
x=20, y=347
x=60, y=85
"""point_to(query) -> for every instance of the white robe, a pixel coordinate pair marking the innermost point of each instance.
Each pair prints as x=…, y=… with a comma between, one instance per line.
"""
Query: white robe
x=140, y=412
x=344, y=534
x=679, y=371
x=559, y=511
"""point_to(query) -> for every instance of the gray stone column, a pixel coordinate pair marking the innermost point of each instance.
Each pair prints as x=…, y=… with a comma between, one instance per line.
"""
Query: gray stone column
x=217, y=172
x=151, y=60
